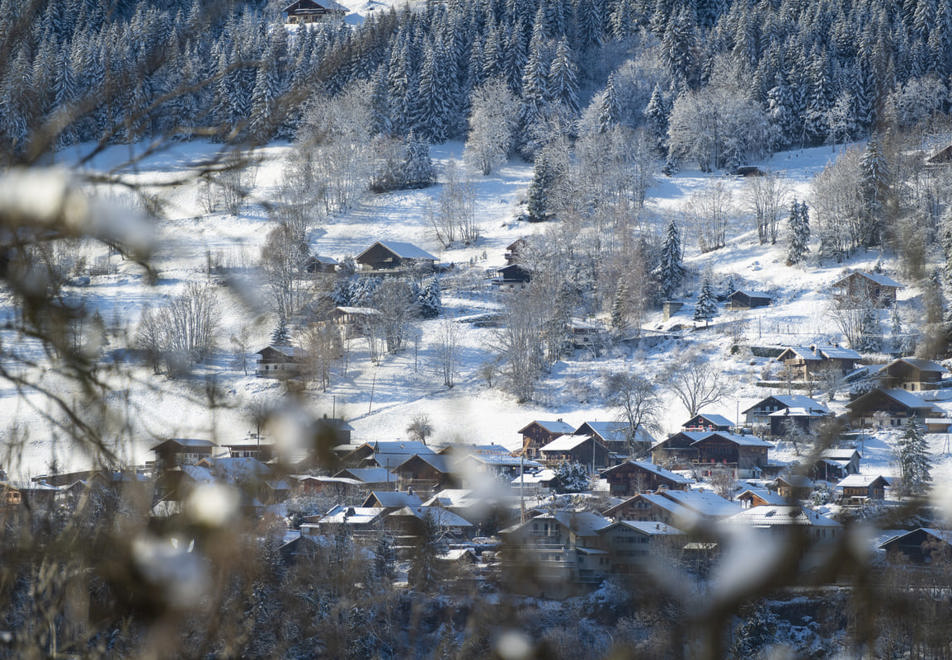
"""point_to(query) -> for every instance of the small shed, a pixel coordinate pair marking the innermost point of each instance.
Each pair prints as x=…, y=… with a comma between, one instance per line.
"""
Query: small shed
x=279, y=361
x=389, y=255
x=745, y=300
x=862, y=487
x=861, y=288
x=511, y=276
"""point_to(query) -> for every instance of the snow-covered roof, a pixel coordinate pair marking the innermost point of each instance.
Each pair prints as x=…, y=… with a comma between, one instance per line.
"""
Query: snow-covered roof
x=736, y=438
x=715, y=420
x=839, y=454
x=327, y=480
x=791, y=401
x=371, y=475
x=351, y=515
x=401, y=249
x=654, y=469
x=878, y=278
x=198, y=473
x=235, y=470
x=393, y=499
x=918, y=363
x=329, y=261
x=798, y=412
x=367, y=311
x=450, y=497
x=503, y=460
x=903, y=397
x=583, y=523
x=838, y=353
x=292, y=352
x=649, y=527
x=191, y=443
x=439, y=516
x=557, y=426
x=540, y=477
x=329, y=5
x=612, y=431
x=802, y=352
x=768, y=496
x=795, y=480
x=566, y=443
x=704, y=502
x=781, y=515
x=861, y=481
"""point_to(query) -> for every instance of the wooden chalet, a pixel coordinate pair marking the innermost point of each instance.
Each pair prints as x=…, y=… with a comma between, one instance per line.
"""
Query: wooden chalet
x=684, y=509
x=744, y=300
x=808, y=362
x=425, y=473
x=920, y=546
x=792, y=486
x=391, y=500
x=375, y=478
x=783, y=519
x=278, y=361
x=355, y=321
x=512, y=276
x=892, y=406
x=538, y=433
x=630, y=543
x=586, y=450
x=614, y=435
x=385, y=454
x=710, y=450
x=320, y=264
x=860, y=488
x=759, y=497
x=182, y=451
x=632, y=477
x=360, y=521
x=863, y=288
x=302, y=12
x=911, y=374
x=835, y=464
x=407, y=523
x=254, y=446
x=707, y=422
x=10, y=496
x=760, y=413
x=391, y=255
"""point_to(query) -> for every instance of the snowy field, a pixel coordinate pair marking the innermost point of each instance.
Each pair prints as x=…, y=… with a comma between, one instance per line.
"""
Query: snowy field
x=380, y=400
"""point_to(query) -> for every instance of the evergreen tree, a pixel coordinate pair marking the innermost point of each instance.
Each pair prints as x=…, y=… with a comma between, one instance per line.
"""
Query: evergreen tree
x=563, y=80
x=873, y=192
x=671, y=268
x=571, y=478
x=679, y=49
x=731, y=287
x=799, y=231
x=914, y=460
x=418, y=167
x=429, y=299
x=537, y=204
x=432, y=113
x=656, y=120
x=870, y=338
x=280, y=336
x=706, y=307
x=609, y=110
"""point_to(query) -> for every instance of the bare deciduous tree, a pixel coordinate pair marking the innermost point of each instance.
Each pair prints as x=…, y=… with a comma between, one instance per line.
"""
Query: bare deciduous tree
x=638, y=401
x=420, y=428
x=518, y=343
x=455, y=218
x=393, y=298
x=709, y=211
x=767, y=199
x=696, y=382
x=282, y=258
x=447, y=350
x=493, y=120
x=322, y=348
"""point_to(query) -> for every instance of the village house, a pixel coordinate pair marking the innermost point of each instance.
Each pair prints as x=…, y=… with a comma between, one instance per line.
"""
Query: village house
x=487, y=511
x=514, y=250
x=683, y=509
x=792, y=486
x=539, y=433
x=253, y=446
x=302, y=12
x=320, y=264
x=551, y=550
x=614, y=435
x=706, y=451
x=388, y=454
x=834, y=464
x=512, y=276
x=858, y=489
x=739, y=300
x=911, y=374
x=707, y=422
x=182, y=451
x=631, y=544
x=391, y=500
x=359, y=522
x=586, y=450
x=893, y=407
x=925, y=545
x=759, y=497
x=859, y=289
x=354, y=321
x=473, y=467
x=407, y=525
x=759, y=414
x=338, y=489
x=393, y=255
x=807, y=363
x=10, y=496
x=782, y=520
x=426, y=473
x=632, y=477
x=375, y=478
x=279, y=361
x=534, y=484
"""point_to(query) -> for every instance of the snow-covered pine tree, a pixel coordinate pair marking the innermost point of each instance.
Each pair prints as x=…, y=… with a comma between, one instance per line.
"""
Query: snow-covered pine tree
x=731, y=287
x=418, y=167
x=609, y=109
x=537, y=197
x=563, y=79
x=870, y=336
x=915, y=463
x=873, y=191
x=798, y=226
x=571, y=478
x=262, y=122
x=532, y=110
x=619, y=312
x=429, y=300
x=280, y=336
x=656, y=120
x=671, y=268
x=432, y=112
x=706, y=307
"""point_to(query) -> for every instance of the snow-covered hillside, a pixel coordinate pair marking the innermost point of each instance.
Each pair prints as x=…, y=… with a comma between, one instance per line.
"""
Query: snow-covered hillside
x=380, y=400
